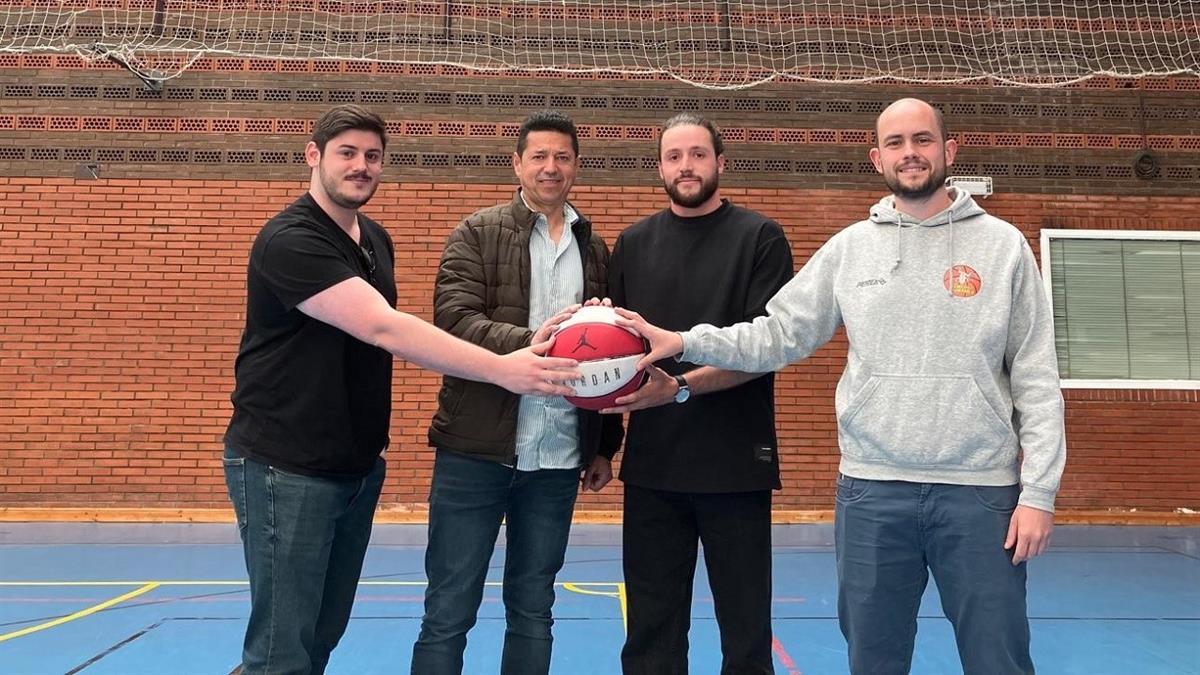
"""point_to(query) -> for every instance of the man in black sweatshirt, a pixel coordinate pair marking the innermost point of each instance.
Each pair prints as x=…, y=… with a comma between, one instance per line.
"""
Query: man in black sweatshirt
x=701, y=457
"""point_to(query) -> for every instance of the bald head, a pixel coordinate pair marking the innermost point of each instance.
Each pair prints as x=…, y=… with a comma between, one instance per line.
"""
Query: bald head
x=910, y=111
x=913, y=154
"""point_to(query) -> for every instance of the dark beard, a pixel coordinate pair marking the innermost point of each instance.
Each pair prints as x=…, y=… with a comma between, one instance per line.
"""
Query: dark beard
x=919, y=192
x=707, y=190
x=331, y=189
x=352, y=204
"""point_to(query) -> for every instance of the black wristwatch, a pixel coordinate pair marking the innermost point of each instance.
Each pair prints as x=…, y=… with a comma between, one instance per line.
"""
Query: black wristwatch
x=685, y=392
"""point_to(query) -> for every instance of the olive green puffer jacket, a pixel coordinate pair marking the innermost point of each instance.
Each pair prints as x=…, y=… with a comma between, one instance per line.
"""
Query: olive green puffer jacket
x=482, y=295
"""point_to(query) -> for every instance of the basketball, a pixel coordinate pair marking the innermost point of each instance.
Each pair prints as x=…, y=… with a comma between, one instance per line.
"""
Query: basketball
x=607, y=356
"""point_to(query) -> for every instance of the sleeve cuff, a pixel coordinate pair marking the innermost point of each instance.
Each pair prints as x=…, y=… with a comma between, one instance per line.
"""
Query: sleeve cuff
x=1037, y=498
x=689, y=340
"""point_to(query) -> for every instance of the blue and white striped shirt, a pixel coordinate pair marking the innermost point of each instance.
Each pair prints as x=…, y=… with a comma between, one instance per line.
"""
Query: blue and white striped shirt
x=547, y=426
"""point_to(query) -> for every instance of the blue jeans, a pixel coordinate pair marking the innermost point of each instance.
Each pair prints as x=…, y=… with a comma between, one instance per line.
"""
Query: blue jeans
x=468, y=499
x=890, y=534
x=304, y=539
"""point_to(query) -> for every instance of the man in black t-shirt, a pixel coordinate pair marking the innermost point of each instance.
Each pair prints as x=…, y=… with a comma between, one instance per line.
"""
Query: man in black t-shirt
x=701, y=457
x=311, y=402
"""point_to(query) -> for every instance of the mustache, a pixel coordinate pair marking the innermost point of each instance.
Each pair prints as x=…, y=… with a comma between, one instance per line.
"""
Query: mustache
x=357, y=176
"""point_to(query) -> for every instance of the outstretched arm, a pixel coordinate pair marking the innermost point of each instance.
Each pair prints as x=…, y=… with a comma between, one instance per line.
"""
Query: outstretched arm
x=770, y=271
x=358, y=309
x=801, y=317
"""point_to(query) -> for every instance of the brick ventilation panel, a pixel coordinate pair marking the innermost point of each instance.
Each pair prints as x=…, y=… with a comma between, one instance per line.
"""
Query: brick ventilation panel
x=219, y=125
x=121, y=304
x=401, y=128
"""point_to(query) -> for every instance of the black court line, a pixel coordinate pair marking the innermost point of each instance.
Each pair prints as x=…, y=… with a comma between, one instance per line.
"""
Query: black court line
x=132, y=638
x=115, y=647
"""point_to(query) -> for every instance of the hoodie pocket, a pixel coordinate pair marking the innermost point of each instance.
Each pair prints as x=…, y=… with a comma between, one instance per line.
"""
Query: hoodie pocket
x=926, y=420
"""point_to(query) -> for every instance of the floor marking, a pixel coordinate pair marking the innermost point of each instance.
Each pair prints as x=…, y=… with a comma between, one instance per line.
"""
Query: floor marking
x=147, y=586
x=619, y=595
x=494, y=584
x=4, y=584
x=79, y=668
x=784, y=658
x=624, y=607
x=81, y=613
x=579, y=588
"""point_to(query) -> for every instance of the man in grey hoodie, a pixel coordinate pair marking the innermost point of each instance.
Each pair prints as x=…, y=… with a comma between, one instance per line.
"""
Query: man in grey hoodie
x=951, y=376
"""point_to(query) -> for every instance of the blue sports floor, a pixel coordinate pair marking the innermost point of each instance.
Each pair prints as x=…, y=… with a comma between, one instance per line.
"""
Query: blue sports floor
x=172, y=599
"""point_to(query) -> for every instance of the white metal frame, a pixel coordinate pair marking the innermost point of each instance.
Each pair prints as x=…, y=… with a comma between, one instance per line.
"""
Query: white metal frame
x=976, y=186
x=1159, y=235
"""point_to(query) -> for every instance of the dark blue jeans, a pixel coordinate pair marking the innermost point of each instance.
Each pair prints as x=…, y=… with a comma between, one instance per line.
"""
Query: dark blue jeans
x=890, y=535
x=468, y=499
x=304, y=539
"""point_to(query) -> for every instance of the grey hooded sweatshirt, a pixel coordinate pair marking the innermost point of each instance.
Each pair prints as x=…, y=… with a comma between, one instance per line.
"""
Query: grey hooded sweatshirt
x=952, y=368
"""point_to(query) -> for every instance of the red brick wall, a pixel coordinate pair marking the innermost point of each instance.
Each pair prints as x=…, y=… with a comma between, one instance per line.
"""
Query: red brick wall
x=121, y=306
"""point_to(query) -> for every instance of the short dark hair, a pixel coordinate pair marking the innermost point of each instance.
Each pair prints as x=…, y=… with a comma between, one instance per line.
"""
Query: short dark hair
x=344, y=118
x=547, y=120
x=686, y=118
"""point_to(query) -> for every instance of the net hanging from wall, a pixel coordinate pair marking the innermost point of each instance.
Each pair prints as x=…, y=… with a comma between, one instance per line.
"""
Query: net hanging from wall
x=728, y=44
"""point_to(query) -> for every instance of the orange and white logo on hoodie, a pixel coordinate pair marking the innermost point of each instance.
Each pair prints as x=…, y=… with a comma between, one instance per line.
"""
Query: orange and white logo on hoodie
x=962, y=281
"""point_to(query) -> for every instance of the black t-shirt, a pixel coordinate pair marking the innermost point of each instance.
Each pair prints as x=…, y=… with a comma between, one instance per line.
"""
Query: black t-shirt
x=721, y=269
x=308, y=397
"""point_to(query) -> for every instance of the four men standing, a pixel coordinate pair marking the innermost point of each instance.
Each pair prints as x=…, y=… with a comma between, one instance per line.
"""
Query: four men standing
x=951, y=377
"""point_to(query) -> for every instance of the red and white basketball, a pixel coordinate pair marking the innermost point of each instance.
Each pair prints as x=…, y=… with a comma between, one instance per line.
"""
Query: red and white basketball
x=607, y=356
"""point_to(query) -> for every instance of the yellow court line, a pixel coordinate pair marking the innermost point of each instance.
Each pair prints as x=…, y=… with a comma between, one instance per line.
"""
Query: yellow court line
x=497, y=584
x=577, y=588
x=147, y=586
x=619, y=595
x=624, y=607
x=81, y=613
x=9, y=584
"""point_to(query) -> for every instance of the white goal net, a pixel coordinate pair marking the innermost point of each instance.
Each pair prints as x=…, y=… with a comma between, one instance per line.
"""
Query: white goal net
x=724, y=44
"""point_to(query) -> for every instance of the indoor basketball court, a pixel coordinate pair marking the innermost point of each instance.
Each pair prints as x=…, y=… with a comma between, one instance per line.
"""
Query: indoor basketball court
x=143, y=145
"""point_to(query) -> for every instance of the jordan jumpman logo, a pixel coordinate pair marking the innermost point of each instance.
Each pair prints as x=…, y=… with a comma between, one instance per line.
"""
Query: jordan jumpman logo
x=583, y=342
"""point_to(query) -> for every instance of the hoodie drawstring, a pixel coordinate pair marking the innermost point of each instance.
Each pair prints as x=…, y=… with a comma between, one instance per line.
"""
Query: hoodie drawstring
x=950, y=215
x=899, y=247
x=884, y=213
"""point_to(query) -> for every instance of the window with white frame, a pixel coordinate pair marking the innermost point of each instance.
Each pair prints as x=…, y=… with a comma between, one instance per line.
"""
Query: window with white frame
x=1126, y=307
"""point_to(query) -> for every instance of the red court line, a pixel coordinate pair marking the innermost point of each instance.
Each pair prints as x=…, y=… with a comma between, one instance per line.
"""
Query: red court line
x=784, y=658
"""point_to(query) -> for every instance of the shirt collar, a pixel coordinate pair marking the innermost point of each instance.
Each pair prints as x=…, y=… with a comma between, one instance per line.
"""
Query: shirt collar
x=569, y=213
